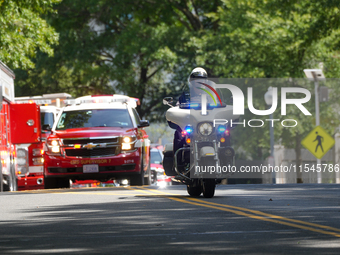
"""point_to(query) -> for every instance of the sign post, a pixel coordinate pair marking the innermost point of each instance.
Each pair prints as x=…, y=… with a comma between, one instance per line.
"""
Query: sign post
x=316, y=75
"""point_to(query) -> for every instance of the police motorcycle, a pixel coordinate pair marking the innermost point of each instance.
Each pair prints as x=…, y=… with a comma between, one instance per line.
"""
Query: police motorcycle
x=201, y=155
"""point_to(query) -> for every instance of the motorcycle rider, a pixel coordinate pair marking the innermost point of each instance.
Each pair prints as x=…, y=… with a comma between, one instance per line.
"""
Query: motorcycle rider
x=197, y=75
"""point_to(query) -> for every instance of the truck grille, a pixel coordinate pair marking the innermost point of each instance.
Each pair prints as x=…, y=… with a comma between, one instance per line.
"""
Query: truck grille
x=96, y=152
x=124, y=167
x=107, y=140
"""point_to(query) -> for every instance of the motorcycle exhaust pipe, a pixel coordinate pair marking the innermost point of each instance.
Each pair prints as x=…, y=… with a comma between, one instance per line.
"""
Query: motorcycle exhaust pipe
x=40, y=181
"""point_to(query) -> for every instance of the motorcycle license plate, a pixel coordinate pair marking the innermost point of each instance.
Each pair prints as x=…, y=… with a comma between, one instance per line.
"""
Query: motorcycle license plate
x=90, y=169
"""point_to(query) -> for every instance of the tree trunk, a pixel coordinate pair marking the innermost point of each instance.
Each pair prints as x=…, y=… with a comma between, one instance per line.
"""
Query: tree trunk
x=298, y=158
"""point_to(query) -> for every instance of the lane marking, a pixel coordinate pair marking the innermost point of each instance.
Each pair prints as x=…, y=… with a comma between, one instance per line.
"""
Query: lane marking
x=270, y=215
x=101, y=193
x=222, y=207
x=243, y=212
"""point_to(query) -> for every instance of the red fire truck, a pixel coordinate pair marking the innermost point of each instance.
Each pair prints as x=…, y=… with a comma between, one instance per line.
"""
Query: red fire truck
x=49, y=108
x=19, y=129
x=97, y=138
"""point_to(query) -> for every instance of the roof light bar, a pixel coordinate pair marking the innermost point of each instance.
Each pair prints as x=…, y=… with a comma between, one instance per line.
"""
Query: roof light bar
x=97, y=99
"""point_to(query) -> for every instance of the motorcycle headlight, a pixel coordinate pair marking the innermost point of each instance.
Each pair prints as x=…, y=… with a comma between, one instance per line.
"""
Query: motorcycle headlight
x=205, y=128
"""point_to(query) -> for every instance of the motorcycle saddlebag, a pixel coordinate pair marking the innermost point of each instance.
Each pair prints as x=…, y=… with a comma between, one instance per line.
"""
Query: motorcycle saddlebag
x=168, y=160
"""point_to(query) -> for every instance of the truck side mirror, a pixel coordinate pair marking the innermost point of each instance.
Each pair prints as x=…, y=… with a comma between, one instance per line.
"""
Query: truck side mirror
x=46, y=127
x=143, y=123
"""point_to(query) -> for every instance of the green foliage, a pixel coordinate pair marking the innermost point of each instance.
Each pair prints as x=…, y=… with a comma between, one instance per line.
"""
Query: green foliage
x=23, y=31
x=146, y=49
x=277, y=39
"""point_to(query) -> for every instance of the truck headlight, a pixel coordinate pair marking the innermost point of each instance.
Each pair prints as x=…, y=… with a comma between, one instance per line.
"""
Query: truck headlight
x=21, y=153
x=126, y=146
x=22, y=161
x=128, y=143
x=37, y=152
x=127, y=139
x=205, y=128
x=38, y=161
x=53, y=146
x=22, y=170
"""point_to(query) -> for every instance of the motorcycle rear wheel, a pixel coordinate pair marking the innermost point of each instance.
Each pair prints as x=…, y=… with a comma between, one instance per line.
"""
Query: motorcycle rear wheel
x=194, y=191
x=208, y=188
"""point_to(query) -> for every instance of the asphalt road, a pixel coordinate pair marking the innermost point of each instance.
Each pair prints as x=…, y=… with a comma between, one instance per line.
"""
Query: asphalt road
x=240, y=219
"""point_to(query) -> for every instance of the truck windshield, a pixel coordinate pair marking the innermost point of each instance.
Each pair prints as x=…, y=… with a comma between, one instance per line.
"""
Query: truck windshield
x=94, y=118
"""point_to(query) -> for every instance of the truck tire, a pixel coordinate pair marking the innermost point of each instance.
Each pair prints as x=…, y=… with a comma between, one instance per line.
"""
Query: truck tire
x=147, y=180
x=56, y=183
x=63, y=183
x=50, y=183
x=137, y=179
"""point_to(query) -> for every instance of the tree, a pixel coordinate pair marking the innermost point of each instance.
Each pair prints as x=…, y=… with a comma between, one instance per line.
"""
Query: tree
x=23, y=31
x=130, y=47
x=279, y=39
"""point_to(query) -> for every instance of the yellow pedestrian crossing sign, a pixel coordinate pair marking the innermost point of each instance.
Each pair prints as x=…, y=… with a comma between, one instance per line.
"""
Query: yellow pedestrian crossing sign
x=318, y=142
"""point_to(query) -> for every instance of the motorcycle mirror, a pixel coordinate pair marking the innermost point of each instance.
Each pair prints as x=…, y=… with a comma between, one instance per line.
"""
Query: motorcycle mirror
x=167, y=101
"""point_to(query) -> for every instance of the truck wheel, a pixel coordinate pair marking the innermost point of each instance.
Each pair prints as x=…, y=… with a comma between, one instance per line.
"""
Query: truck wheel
x=194, y=191
x=147, y=180
x=137, y=179
x=50, y=183
x=63, y=183
x=208, y=187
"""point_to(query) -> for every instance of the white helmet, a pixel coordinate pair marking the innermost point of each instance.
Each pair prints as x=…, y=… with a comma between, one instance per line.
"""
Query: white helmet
x=198, y=72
